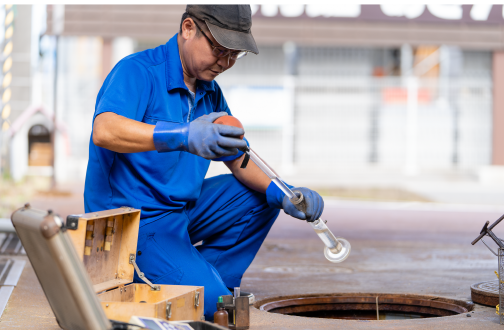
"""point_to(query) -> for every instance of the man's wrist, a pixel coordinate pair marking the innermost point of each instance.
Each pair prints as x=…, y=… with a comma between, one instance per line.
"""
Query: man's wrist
x=275, y=196
x=228, y=158
x=170, y=136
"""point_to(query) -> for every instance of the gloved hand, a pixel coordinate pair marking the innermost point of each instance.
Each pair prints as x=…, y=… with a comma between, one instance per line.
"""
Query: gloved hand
x=200, y=137
x=314, y=205
x=211, y=141
x=314, y=202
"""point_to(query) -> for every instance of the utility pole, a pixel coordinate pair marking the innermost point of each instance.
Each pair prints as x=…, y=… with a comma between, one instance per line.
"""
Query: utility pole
x=58, y=24
x=6, y=57
x=291, y=56
x=410, y=81
x=8, y=32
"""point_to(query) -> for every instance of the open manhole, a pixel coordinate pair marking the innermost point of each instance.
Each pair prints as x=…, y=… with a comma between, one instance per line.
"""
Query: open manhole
x=365, y=306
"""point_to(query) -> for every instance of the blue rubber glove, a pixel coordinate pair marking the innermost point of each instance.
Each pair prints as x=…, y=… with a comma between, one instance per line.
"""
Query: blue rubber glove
x=314, y=202
x=200, y=137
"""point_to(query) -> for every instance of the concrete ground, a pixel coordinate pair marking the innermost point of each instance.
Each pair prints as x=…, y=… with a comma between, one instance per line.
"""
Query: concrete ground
x=417, y=248
x=396, y=248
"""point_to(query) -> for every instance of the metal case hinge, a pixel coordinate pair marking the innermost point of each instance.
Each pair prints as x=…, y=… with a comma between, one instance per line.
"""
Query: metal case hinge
x=142, y=276
x=72, y=221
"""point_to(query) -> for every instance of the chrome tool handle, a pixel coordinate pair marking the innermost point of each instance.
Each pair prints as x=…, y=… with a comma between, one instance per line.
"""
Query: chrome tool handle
x=336, y=249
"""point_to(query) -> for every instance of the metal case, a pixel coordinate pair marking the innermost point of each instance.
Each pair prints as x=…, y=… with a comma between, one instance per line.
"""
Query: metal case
x=64, y=280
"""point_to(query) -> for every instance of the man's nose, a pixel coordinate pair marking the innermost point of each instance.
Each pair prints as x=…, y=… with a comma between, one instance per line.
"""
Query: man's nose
x=224, y=61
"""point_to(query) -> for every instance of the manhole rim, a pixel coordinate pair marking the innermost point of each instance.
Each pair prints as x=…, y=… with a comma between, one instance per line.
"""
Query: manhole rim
x=431, y=301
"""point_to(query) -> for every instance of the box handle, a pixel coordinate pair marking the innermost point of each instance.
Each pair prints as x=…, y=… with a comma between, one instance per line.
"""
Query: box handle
x=142, y=276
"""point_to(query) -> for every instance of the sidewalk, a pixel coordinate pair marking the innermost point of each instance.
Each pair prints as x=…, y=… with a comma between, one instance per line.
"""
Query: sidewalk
x=448, y=186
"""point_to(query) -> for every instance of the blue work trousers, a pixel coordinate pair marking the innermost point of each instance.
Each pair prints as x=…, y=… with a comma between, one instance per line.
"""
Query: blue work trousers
x=230, y=219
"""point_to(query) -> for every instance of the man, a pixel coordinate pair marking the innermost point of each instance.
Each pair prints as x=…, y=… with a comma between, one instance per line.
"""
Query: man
x=152, y=142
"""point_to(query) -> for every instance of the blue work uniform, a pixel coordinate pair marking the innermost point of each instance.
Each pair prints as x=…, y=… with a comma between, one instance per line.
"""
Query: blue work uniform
x=179, y=207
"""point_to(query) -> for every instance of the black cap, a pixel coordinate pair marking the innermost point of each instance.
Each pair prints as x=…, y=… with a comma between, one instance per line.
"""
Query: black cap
x=229, y=24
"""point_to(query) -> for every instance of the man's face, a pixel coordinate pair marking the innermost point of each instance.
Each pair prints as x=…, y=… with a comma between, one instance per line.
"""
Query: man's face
x=197, y=53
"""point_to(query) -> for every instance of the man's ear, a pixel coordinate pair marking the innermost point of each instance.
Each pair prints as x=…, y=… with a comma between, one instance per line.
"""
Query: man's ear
x=188, y=28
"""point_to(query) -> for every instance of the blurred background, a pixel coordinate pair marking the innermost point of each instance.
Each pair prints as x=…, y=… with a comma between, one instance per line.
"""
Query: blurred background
x=366, y=102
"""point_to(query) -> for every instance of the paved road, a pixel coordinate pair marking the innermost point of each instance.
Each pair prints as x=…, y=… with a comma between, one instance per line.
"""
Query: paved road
x=396, y=248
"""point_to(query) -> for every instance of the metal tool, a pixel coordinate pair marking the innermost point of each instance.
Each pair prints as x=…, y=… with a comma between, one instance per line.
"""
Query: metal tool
x=487, y=231
x=238, y=308
x=337, y=249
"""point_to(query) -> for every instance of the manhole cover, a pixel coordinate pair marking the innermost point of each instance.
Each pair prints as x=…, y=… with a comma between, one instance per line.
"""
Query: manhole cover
x=308, y=270
x=365, y=306
x=486, y=293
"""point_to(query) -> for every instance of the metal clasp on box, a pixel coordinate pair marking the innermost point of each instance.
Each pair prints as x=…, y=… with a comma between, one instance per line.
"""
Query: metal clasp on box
x=142, y=276
x=168, y=310
x=196, y=299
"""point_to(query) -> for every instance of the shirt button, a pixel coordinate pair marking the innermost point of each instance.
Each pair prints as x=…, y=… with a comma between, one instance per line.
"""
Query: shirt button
x=139, y=253
x=201, y=93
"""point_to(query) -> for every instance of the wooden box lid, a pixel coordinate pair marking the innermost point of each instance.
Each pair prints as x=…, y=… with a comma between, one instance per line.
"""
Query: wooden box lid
x=105, y=241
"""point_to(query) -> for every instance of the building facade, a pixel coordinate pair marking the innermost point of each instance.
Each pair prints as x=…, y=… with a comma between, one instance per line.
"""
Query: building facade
x=406, y=89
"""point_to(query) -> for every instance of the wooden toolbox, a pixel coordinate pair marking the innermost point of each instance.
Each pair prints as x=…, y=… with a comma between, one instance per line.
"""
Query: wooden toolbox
x=106, y=241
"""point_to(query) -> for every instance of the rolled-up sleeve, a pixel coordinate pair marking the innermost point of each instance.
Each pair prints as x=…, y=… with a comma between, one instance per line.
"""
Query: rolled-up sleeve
x=126, y=91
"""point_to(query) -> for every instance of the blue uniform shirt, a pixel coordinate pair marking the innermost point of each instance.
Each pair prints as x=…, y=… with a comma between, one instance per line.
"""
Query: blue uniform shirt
x=149, y=86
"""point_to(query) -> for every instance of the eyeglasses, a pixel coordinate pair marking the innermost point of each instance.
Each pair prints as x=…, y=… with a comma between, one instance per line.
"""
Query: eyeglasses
x=219, y=52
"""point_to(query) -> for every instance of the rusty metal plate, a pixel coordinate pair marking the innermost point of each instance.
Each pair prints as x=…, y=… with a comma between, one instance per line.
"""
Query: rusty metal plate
x=486, y=293
x=10, y=244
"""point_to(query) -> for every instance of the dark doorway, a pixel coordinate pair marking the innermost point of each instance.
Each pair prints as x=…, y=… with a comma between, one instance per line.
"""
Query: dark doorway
x=39, y=146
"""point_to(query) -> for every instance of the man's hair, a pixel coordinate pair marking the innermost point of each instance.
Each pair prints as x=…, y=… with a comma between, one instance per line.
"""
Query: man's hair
x=201, y=23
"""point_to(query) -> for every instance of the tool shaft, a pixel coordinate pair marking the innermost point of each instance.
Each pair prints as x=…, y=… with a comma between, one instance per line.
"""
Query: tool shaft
x=496, y=222
x=326, y=235
x=271, y=174
x=297, y=198
x=482, y=234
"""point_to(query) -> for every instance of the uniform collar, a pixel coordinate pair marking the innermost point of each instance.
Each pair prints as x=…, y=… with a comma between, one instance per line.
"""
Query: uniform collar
x=174, y=73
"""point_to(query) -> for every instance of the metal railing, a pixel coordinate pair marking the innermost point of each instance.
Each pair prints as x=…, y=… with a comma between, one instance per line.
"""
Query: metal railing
x=348, y=122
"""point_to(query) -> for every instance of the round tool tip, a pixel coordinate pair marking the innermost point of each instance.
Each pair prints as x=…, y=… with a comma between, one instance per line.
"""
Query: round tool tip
x=230, y=121
x=340, y=256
